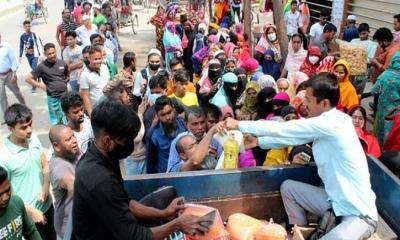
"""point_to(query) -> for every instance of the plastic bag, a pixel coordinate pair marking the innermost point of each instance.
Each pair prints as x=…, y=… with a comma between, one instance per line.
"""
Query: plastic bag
x=356, y=55
x=217, y=230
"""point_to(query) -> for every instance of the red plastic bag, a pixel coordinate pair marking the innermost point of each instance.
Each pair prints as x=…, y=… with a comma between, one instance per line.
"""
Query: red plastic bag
x=217, y=230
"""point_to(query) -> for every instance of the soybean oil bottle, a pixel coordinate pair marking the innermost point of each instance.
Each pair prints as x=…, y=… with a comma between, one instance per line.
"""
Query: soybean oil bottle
x=231, y=152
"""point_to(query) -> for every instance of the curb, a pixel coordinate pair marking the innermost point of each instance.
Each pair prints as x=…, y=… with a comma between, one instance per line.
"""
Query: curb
x=13, y=9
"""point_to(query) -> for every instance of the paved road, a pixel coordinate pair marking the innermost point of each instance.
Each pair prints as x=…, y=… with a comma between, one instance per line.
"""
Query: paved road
x=11, y=29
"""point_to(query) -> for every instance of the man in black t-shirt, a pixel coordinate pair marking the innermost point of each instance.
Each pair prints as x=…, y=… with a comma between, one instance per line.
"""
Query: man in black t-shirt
x=55, y=75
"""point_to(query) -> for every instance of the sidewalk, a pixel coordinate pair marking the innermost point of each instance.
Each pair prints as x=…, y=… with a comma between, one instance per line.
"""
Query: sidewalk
x=10, y=6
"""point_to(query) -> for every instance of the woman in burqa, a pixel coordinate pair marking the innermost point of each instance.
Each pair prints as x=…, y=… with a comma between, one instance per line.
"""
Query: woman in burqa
x=188, y=51
x=264, y=99
x=226, y=94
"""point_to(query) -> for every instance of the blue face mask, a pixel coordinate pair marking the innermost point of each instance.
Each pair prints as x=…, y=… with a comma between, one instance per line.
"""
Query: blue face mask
x=153, y=97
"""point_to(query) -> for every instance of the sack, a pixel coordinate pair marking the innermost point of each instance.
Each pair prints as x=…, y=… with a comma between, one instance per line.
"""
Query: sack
x=326, y=224
x=356, y=55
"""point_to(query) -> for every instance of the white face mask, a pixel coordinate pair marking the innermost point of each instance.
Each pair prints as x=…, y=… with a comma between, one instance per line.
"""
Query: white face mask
x=272, y=36
x=313, y=59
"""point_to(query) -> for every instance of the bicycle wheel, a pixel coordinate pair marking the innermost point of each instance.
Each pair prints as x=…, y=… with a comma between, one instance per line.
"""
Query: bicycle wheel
x=133, y=24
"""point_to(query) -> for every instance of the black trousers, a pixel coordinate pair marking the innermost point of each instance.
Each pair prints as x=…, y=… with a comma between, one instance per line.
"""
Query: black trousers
x=47, y=231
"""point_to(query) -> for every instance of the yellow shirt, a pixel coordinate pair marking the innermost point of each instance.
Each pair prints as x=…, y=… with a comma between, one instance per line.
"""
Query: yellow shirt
x=190, y=99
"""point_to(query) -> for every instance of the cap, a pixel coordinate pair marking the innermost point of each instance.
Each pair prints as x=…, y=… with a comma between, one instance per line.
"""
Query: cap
x=351, y=18
x=98, y=6
x=229, y=78
x=154, y=51
x=85, y=17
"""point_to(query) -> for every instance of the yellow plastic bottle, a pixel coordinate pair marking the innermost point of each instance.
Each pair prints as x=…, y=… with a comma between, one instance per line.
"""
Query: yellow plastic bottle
x=231, y=153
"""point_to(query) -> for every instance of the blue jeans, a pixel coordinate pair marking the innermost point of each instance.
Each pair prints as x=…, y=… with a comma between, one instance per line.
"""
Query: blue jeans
x=134, y=167
x=55, y=112
x=33, y=61
x=74, y=85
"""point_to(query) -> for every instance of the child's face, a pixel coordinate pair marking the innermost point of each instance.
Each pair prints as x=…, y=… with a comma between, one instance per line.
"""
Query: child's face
x=363, y=35
x=230, y=66
x=340, y=72
x=180, y=88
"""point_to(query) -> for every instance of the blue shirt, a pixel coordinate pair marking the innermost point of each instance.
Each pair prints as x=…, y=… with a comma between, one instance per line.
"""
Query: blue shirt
x=174, y=161
x=158, y=144
x=338, y=154
x=7, y=58
x=350, y=33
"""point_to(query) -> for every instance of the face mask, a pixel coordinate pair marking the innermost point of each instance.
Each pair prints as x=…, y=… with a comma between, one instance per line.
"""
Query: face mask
x=153, y=97
x=121, y=151
x=154, y=67
x=313, y=59
x=86, y=62
x=214, y=75
x=108, y=34
x=134, y=68
x=272, y=36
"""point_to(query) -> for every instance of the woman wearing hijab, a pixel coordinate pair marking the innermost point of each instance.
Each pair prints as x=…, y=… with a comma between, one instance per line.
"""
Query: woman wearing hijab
x=226, y=95
x=270, y=66
x=251, y=67
x=311, y=63
x=368, y=141
x=279, y=101
x=172, y=43
x=248, y=111
x=387, y=87
x=268, y=40
x=158, y=20
x=296, y=56
x=348, y=94
x=264, y=100
x=297, y=83
x=267, y=81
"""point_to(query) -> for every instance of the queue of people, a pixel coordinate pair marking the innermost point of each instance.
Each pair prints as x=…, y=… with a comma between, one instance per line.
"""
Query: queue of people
x=200, y=80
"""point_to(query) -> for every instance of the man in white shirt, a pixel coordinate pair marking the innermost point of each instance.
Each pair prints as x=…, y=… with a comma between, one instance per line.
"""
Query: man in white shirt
x=93, y=79
x=86, y=30
x=317, y=28
x=292, y=19
x=338, y=154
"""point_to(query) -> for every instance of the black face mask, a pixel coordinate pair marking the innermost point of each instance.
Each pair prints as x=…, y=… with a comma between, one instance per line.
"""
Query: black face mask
x=86, y=62
x=134, y=69
x=154, y=67
x=232, y=94
x=121, y=151
x=214, y=75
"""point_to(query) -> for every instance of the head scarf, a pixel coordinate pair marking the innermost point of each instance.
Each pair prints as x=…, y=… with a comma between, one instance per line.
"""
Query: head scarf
x=267, y=81
x=222, y=98
x=281, y=99
x=294, y=59
x=250, y=102
x=298, y=103
x=368, y=142
x=250, y=65
x=257, y=76
x=297, y=79
x=229, y=47
x=264, y=43
x=239, y=28
x=307, y=67
x=271, y=67
x=264, y=100
x=225, y=111
x=171, y=39
x=213, y=38
x=348, y=94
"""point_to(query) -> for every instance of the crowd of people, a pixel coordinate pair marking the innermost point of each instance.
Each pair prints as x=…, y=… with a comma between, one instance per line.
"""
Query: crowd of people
x=200, y=80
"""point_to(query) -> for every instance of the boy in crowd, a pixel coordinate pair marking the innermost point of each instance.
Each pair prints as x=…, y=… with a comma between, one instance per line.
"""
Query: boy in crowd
x=181, y=92
x=72, y=56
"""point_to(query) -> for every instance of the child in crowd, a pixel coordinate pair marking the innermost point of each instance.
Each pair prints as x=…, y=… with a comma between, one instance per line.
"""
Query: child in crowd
x=181, y=82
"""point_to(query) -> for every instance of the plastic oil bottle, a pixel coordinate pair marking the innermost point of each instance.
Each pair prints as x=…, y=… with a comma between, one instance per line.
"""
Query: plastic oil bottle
x=231, y=152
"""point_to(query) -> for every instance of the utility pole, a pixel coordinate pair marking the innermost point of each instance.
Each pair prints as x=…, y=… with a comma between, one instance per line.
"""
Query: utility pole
x=210, y=13
x=281, y=27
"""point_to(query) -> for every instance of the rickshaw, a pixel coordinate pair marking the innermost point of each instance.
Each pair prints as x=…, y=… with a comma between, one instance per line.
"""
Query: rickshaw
x=35, y=9
x=126, y=15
